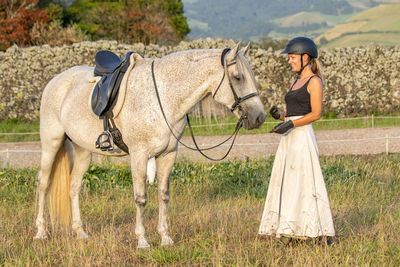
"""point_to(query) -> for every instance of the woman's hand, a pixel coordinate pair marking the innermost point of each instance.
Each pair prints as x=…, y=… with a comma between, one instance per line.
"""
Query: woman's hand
x=283, y=127
x=274, y=111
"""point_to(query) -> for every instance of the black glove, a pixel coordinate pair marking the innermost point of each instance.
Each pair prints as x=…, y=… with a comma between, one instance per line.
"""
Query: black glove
x=283, y=127
x=274, y=111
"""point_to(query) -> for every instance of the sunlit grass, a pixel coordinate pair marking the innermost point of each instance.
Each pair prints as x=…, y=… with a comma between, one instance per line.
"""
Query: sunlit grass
x=20, y=131
x=214, y=214
x=14, y=128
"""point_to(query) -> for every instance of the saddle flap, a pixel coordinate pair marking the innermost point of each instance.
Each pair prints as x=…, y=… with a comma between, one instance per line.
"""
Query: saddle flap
x=102, y=95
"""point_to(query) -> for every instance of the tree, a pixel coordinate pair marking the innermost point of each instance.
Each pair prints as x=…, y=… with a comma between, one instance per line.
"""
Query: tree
x=174, y=9
x=323, y=40
x=17, y=17
x=146, y=21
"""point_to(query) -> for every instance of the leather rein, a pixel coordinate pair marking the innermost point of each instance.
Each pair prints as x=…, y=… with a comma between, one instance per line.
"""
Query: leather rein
x=235, y=105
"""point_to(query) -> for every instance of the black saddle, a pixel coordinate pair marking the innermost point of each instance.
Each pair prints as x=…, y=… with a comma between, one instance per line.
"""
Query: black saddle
x=112, y=69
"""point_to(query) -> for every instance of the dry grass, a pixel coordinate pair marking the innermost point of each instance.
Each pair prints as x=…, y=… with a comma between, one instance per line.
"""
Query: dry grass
x=214, y=215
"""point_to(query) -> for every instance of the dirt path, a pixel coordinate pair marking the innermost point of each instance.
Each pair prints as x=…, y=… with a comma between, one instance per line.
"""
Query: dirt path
x=332, y=142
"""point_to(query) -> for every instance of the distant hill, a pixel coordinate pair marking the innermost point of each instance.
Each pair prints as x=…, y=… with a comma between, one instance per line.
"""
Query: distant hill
x=380, y=25
x=251, y=19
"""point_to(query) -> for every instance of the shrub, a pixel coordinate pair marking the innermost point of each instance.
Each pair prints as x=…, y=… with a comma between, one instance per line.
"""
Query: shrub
x=16, y=19
x=54, y=34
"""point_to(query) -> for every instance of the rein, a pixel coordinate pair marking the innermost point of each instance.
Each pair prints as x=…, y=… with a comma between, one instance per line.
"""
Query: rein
x=235, y=105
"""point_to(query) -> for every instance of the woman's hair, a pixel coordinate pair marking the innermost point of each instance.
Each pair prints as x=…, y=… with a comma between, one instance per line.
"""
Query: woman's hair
x=316, y=68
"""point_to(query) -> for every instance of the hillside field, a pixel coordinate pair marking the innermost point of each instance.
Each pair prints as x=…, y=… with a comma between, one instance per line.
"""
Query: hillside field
x=251, y=20
x=379, y=25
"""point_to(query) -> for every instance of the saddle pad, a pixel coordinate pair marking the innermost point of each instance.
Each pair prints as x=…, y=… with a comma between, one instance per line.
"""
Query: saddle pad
x=122, y=89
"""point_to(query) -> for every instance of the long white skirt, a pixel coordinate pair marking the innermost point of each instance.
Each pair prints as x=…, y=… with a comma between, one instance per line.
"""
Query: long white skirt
x=297, y=202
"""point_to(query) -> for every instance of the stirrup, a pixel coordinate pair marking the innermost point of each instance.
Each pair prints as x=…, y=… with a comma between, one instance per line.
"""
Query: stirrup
x=105, y=141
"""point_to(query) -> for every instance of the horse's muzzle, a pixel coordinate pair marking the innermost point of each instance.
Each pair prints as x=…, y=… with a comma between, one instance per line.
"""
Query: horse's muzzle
x=253, y=120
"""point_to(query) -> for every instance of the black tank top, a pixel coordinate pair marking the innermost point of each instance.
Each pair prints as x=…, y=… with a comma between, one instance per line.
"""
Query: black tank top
x=298, y=101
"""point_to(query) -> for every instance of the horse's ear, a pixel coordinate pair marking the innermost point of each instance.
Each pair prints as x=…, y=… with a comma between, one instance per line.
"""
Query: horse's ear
x=246, y=49
x=232, y=54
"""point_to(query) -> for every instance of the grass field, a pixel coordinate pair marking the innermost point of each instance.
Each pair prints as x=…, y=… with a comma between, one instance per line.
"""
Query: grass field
x=203, y=127
x=16, y=131
x=214, y=214
x=303, y=17
x=380, y=25
x=359, y=39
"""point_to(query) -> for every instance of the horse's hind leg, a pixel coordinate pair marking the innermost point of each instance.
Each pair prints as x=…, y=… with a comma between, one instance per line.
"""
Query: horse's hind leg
x=82, y=158
x=164, y=168
x=138, y=168
x=50, y=147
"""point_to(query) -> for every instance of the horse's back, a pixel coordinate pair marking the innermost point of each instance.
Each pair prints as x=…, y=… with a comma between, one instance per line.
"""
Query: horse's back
x=57, y=89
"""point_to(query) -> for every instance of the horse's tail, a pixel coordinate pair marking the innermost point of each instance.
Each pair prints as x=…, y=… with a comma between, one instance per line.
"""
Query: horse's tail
x=59, y=189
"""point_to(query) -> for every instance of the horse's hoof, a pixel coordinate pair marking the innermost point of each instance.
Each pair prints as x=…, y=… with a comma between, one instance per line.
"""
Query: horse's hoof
x=82, y=235
x=166, y=241
x=40, y=236
x=142, y=243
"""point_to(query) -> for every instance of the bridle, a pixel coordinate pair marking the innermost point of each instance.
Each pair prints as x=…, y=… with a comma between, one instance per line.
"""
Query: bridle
x=236, y=104
x=238, y=99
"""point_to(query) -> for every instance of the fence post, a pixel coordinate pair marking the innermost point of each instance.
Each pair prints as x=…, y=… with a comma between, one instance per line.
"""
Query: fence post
x=387, y=144
x=373, y=123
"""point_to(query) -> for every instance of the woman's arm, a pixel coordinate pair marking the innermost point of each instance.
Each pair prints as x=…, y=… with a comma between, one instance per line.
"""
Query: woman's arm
x=282, y=115
x=314, y=88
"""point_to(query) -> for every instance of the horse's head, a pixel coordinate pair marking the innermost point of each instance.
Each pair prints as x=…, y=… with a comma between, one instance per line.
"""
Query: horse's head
x=238, y=88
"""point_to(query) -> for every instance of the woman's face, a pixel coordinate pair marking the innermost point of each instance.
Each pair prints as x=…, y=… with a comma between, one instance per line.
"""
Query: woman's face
x=294, y=61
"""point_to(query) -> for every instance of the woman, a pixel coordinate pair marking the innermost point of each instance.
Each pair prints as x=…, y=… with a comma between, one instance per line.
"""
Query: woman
x=297, y=204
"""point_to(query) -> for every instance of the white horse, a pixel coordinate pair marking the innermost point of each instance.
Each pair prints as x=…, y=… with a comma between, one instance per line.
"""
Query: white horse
x=68, y=127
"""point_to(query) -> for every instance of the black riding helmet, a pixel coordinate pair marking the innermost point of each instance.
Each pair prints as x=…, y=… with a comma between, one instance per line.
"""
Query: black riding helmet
x=301, y=45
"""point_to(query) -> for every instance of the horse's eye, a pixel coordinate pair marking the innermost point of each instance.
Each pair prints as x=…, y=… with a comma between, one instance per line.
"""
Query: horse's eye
x=236, y=76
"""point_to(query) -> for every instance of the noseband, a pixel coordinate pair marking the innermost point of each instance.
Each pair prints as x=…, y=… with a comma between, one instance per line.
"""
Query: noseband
x=235, y=105
x=238, y=99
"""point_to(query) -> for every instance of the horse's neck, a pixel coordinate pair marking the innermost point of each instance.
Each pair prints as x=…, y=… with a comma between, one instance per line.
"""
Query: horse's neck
x=187, y=78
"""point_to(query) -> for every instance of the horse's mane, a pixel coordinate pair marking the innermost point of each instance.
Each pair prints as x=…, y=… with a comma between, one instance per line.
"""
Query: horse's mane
x=193, y=55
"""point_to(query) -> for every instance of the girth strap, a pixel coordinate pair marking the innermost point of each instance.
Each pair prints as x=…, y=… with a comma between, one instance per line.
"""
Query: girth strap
x=117, y=137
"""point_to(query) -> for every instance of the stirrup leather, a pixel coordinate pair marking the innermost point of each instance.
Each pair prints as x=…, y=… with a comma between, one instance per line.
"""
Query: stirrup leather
x=111, y=136
x=105, y=141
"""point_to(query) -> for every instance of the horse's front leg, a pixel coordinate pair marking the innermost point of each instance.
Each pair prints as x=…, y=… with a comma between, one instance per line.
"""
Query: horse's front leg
x=164, y=168
x=138, y=169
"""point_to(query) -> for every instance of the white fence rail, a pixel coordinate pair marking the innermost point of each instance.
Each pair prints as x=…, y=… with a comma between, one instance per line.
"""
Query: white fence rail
x=386, y=139
x=367, y=118
x=369, y=142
